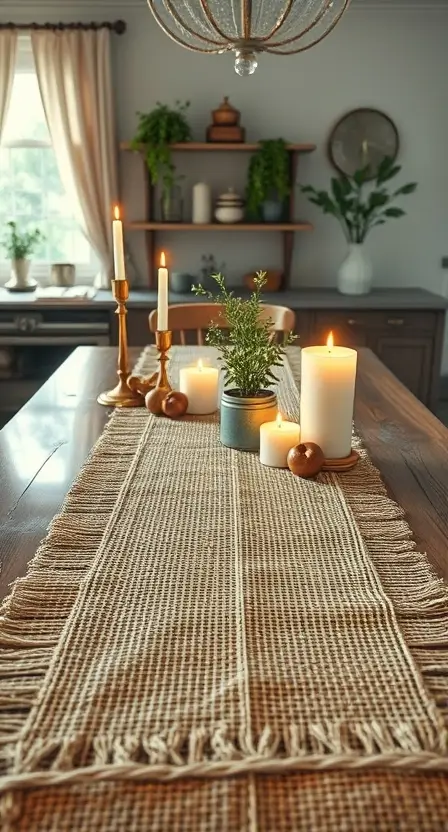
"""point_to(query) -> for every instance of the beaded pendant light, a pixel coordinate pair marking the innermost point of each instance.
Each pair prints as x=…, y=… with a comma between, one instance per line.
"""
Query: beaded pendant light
x=247, y=27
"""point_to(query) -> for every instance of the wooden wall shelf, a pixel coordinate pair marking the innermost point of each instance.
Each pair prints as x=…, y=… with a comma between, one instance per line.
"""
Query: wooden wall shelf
x=218, y=226
x=151, y=227
x=222, y=146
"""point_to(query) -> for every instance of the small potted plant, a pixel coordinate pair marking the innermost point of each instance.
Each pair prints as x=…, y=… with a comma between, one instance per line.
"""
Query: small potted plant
x=249, y=354
x=19, y=245
x=268, y=181
x=359, y=212
x=156, y=131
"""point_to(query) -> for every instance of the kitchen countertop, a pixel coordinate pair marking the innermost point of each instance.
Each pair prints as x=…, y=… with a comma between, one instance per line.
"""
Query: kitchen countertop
x=405, y=298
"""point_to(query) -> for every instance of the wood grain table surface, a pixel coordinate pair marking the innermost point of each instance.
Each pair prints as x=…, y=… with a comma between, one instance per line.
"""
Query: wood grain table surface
x=43, y=447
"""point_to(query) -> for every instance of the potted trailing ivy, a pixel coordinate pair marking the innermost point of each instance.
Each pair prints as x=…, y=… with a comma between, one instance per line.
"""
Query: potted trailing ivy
x=249, y=355
x=157, y=130
x=359, y=211
x=19, y=245
x=268, y=182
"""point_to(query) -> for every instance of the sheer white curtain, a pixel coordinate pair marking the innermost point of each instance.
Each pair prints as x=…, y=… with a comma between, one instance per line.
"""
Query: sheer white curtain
x=8, y=51
x=74, y=74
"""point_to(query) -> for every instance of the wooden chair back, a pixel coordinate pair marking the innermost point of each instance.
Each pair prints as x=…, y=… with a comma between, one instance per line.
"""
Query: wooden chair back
x=185, y=318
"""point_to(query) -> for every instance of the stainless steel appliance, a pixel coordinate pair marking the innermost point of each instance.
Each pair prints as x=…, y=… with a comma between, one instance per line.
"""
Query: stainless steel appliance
x=34, y=343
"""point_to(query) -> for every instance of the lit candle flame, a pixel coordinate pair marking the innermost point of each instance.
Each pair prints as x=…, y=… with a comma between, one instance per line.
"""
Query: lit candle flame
x=200, y=365
x=279, y=420
x=330, y=342
x=162, y=260
x=116, y=212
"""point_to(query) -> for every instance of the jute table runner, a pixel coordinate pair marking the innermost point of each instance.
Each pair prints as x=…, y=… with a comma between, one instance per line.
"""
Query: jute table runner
x=193, y=613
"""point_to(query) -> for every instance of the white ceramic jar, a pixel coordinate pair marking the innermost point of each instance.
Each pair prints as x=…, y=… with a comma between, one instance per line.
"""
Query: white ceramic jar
x=229, y=207
x=202, y=204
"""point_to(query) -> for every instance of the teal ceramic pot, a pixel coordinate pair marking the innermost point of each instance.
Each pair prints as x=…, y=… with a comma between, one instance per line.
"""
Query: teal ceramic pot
x=241, y=418
x=272, y=210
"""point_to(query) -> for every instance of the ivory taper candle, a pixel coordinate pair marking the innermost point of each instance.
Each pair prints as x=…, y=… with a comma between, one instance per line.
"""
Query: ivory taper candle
x=117, y=237
x=327, y=395
x=162, y=295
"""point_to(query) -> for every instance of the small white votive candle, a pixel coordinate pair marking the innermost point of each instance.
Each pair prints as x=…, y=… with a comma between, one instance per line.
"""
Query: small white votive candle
x=200, y=385
x=276, y=440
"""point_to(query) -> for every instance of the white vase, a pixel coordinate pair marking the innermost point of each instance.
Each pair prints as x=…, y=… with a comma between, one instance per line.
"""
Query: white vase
x=20, y=280
x=202, y=204
x=355, y=273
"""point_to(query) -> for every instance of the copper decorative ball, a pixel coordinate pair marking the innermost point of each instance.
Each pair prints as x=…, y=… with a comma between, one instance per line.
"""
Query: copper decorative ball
x=154, y=400
x=175, y=405
x=306, y=460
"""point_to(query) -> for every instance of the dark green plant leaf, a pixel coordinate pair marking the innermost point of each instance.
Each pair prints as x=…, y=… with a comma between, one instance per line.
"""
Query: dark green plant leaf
x=406, y=189
x=394, y=212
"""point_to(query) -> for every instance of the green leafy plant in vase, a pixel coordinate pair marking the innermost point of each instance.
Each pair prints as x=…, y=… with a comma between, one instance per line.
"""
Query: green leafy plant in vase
x=268, y=181
x=156, y=131
x=249, y=353
x=19, y=245
x=360, y=206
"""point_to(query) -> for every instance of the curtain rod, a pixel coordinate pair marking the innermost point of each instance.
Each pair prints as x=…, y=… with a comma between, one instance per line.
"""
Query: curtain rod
x=117, y=26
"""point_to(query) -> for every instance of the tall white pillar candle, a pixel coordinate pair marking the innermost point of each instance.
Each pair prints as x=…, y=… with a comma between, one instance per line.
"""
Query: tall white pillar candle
x=327, y=394
x=276, y=440
x=200, y=385
x=202, y=203
x=117, y=237
x=162, y=296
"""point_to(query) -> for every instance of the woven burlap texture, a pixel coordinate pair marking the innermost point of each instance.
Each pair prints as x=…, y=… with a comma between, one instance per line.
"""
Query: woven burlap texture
x=220, y=617
x=38, y=615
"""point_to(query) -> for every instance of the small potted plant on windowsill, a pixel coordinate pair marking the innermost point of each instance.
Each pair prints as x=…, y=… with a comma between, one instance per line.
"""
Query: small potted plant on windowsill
x=157, y=130
x=249, y=354
x=268, y=182
x=358, y=213
x=19, y=245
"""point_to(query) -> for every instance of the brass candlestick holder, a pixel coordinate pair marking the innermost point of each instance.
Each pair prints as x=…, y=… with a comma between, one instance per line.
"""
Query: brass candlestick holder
x=121, y=395
x=164, y=340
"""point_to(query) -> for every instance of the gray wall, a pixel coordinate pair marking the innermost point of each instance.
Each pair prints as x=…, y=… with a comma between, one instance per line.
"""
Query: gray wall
x=393, y=58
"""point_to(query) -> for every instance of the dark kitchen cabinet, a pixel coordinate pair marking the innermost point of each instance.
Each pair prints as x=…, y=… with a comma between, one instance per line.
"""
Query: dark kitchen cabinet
x=409, y=359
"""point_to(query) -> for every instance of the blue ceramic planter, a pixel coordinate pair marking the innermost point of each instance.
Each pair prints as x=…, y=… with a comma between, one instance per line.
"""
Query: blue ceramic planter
x=241, y=418
x=272, y=210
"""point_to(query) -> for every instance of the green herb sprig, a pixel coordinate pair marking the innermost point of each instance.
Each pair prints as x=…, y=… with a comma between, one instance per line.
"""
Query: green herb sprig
x=249, y=352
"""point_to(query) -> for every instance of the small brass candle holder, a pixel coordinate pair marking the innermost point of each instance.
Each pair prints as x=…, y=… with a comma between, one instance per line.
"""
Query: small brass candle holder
x=121, y=395
x=163, y=343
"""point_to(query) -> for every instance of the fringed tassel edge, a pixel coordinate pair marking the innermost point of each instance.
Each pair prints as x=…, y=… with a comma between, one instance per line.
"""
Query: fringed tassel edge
x=419, y=597
x=203, y=753
x=50, y=587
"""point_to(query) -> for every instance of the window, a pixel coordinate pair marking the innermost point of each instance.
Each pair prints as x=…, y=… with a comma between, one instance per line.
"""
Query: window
x=31, y=191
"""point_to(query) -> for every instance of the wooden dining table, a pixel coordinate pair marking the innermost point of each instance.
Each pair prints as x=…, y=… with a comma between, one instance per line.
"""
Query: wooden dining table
x=43, y=447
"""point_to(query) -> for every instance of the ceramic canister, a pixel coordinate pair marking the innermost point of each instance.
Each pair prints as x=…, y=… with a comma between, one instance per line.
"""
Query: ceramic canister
x=229, y=207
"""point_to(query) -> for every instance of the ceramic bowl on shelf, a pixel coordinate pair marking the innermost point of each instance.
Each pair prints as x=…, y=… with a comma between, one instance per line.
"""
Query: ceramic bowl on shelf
x=229, y=207
x=181, y=282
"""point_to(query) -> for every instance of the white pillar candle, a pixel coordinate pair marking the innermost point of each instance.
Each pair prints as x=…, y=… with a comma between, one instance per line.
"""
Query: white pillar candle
x=117, y=237
x=162, y=296
x=276, y=440
x=327, y=395
x=200, y=385
x=202, y=203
